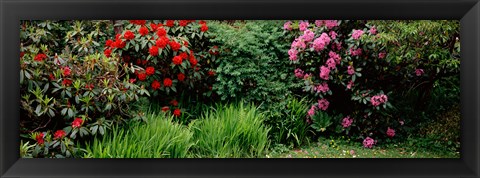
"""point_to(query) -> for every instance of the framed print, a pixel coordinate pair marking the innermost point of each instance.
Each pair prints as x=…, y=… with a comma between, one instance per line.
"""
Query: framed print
x=239, y=88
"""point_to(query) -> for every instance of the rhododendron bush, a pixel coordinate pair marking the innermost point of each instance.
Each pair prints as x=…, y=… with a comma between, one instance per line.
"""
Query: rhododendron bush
x=361, y=68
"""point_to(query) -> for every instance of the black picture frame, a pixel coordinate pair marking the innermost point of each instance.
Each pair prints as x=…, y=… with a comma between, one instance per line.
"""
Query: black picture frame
x=12, y=11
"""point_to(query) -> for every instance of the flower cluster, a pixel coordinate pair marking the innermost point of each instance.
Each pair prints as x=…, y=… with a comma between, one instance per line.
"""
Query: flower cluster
x=368, y=142
x=347, y=122
x=378, y=99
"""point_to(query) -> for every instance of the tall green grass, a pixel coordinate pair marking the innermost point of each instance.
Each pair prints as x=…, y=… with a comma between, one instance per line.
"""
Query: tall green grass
x=230, y=131
x=159, y=138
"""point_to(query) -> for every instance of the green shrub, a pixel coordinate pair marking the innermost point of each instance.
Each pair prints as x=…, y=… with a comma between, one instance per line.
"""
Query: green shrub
x=291, y=127
x=159, y=138
x=233, y=131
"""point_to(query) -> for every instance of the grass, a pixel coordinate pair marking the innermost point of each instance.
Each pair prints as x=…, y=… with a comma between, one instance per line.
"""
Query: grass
x=341, y=148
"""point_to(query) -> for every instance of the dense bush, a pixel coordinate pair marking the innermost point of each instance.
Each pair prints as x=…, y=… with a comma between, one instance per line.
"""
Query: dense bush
x=367, y=65
x=234, y=131
x=72, y=92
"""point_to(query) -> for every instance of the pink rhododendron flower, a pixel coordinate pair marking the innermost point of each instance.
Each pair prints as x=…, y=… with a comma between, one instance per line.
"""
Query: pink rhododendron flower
x=308, y=35
x=319, y=23
x=401, y=122
x=311, y=112
x=303, y=25
x=356, y=52
x=373, y=30
x=333, y=35
x=331, y=63
x=378, y=99
x=356, y=34
x=323, y=104
x=352, y=152
x=350, y=70
x=347, y=122
x=307, y=76
x=322, y=41
x=322, y=87
x=419, y=72
x=299, y=43
x=368, y=142
x=331, y=23
x=390, y=132
x=299, y=73
x=335, y=56
x=324, y=73
x=349, y=85
x=287, y=25
x=293, y=54
x=382, y=55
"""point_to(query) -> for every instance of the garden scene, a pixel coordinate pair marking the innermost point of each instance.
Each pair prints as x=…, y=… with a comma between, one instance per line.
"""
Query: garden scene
x=240, y=89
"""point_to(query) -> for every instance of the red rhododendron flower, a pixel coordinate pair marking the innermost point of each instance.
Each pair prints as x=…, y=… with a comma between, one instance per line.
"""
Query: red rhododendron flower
x=143, y=31
x=132, y=80
x=66, y=82
x=193, y=61
x=51, y=77
x=40, y=57
x=165, y=109
x=183, y=23
x=129, y=35
x=66, y=71
x=201, y=22
x=59, y=134
x=107, y=52
x=89, y=86
x=174, y=103
x=184, y=55
x=170, y=23
x=211, y=73
x=181, y=77
x=153, y=51
x=177, y=60
x=39, y=138
x=204, y=28
x=77, y=123
x=142, y=76
x=161, y=32
x=119, y=44
x=177, y=112
x=109, y=43
x=22, y=54
x=174, y=45
x=155, y=85
x=162, y=42
x=138, y=22
x=185, y=43
x=150, y=70
x=153, y=27
x=214, y=50
x=167, y=82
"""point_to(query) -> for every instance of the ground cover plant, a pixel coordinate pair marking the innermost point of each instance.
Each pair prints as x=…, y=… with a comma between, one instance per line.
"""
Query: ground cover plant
x=240, y=89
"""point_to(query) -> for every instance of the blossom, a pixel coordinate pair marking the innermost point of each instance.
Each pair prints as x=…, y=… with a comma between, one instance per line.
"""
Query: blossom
x=165, y=109
x=150, y=70
x=170, y=23
x=331, y=63
x=183, y=23
x=204, y=28
x=293, y=54
x=40, y=57
x=373, y=30
x=66, y=82
x=109, y=43
x=129, y=35
x=66, y=71
x=308, y=35
x=202, y=22
x=356, y=52
x=174, y=45
x=335, y=56
x=350, y=70
x=174, y=103
x=357, y=34
x=401, y=122
x=107, y=52
x=331, y=23
x=382, y=55
x=298, y=43
x=419, y=72
x=323, y=104
x=51, y=77
x=59, y=134
x=177, y=60
x=322, y=87
x=153, y=51
x=181, y=77
x=119, y=44
x=142, y=76
x=184, y=55
x=307, y=76
x=319, y=23
x=287, y=25
x=333, y=34
x=162, y=42
x=211, y=73
x=89, y=86
x=324, y=72
x=155, y=85
x=299, y=73
x=321, y=42
x=390, y=132
x=77, y=123
x=143, y=31
x=368, y=142
x=347, y=122
x=177, y=112
x=39, y=138
x=378, y=99
x=350, y=84
x=311, y=112
x=167, y=82
x=161, y=32
x=303, y=25
x=132, y=80
x=138, y=22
